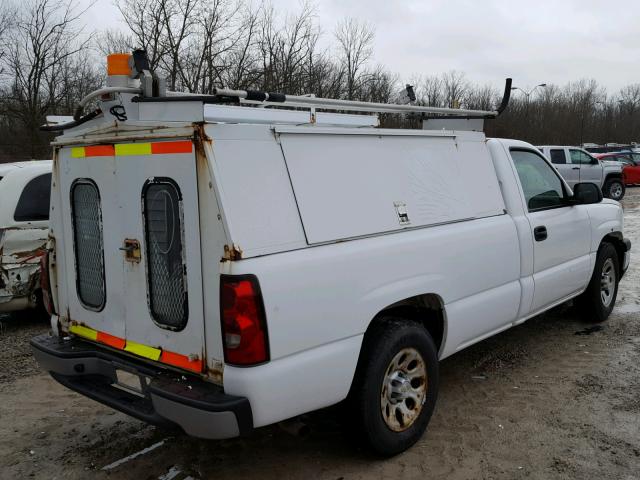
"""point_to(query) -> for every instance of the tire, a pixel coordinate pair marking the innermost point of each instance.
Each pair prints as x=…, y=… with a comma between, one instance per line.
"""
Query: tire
x=614, y=189
x=597, y=302
x=379, y=368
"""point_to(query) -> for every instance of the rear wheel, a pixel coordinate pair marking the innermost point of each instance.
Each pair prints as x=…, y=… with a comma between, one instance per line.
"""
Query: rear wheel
x=396, y=385
x=599, y=298
x=613, y=189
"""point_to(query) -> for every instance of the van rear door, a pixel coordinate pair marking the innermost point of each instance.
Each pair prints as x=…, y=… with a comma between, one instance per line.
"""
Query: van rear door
x=132, y=239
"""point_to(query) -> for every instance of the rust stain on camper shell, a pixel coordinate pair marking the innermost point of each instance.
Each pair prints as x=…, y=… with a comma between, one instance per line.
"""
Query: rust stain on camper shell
x=231, y=253
x=215, y=372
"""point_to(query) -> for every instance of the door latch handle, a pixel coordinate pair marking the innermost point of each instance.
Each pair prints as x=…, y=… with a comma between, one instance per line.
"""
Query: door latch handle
x=540, y=233
x=131, y=250
x=575, y=168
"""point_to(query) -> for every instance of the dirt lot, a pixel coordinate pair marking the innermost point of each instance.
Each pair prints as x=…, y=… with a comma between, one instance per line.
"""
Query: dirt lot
x=553, y=398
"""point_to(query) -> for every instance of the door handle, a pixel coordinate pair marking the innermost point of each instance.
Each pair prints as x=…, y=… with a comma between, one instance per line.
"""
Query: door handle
x=575, y=168
x=540, y=233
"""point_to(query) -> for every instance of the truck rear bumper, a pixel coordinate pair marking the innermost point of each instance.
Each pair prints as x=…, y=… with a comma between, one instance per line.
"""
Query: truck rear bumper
x=166, y=398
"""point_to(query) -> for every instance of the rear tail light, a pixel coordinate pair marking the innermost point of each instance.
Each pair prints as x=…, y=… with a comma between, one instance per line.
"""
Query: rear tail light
x=244, y=325
x=45, y=286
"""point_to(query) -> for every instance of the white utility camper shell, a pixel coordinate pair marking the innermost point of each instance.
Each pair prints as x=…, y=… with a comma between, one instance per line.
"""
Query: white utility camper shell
x=251, y=265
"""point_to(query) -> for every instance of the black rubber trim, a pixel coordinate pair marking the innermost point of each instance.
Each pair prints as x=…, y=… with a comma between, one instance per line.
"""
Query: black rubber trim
x=75, y=123
x=277, y=97
x=627, y=244
x=506, y=96
x=256, y=95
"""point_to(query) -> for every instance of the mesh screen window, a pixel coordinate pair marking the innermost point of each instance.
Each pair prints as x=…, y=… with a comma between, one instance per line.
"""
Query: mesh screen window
x=88, y=244
x=165, y=256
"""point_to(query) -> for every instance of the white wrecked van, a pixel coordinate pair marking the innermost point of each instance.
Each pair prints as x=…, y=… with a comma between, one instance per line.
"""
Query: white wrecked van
x=24, y=223
x=247, y=265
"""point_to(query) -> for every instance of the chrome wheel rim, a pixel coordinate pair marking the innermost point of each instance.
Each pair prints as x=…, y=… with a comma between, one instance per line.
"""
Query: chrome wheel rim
x=616, y=191
x=404, y=389
x=607, y=282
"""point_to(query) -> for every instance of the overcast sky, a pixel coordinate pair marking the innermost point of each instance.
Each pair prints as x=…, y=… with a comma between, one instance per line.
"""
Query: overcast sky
x=552, y=41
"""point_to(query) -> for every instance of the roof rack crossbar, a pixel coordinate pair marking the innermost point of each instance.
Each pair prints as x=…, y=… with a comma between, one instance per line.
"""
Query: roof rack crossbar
x=281, y=99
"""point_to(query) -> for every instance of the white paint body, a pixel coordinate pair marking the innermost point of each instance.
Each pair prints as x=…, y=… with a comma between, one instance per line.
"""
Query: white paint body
x=313, y=209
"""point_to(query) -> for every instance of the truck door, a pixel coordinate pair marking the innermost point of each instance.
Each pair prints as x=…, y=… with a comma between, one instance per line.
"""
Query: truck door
x=559, y=158
x=132, y=239
x=590, y=167
x=561, y=233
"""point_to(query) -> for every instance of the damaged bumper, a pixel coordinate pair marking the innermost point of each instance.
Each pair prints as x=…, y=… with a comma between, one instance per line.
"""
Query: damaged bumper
x=200, y=408
x=18, y=283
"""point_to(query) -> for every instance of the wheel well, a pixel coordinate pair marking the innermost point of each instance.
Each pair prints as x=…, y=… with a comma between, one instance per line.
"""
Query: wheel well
x=426, y=309
x=615, y=239
x=612, y=176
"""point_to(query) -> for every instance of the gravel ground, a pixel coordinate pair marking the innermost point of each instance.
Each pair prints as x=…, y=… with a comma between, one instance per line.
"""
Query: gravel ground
x=552, y=398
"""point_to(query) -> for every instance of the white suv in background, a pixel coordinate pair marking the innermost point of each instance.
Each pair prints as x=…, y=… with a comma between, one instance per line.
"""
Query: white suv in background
x=578, y=166
x=25, y=188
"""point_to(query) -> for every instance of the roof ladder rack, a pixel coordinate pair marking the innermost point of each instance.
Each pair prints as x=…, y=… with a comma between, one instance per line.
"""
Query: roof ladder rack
x=224, y=95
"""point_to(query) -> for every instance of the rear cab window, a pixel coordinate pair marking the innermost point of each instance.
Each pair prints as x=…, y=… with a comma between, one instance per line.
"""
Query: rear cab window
x=33, y=204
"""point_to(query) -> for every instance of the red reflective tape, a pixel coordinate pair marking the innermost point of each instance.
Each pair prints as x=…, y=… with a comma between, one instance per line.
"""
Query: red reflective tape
x=99, y=151
x=183, y=146
x=112, y=341
x=181, y=361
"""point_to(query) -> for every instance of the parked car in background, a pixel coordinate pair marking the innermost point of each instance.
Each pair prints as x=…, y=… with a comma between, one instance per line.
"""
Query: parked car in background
x=25, y=188
x=631, y=162
x=576, y=165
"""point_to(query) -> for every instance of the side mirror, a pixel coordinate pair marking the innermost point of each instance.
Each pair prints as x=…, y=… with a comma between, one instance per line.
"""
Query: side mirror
x=586, y=193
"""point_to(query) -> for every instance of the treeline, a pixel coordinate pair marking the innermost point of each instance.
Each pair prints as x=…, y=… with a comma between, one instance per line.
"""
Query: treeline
x=49, y=59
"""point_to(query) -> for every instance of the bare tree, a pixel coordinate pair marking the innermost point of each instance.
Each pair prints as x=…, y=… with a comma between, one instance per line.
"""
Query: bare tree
x=454, y=86
x=355, y=42
x=46, y=38
x=430, y=91
x=145, y=19
x=7, y=24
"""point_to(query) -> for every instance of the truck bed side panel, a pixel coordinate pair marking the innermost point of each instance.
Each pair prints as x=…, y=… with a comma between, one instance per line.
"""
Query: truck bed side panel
x=323, y=298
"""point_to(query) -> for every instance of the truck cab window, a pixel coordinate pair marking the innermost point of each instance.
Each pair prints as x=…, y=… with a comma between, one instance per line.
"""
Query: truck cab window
x=33, y=204
x=580, y=157
x=541, y=185
x=558, y=156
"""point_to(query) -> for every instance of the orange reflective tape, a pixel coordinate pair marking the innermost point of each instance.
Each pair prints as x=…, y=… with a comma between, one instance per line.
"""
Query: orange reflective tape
x=181, y=361
x=99, y=151
x=112, y=341
x=184, y=146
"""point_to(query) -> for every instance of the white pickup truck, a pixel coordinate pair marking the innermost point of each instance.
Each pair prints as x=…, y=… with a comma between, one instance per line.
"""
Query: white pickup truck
x=247, y=265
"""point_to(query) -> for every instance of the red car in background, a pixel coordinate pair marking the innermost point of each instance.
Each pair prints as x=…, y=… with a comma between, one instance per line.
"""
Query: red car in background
x=631, y=169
